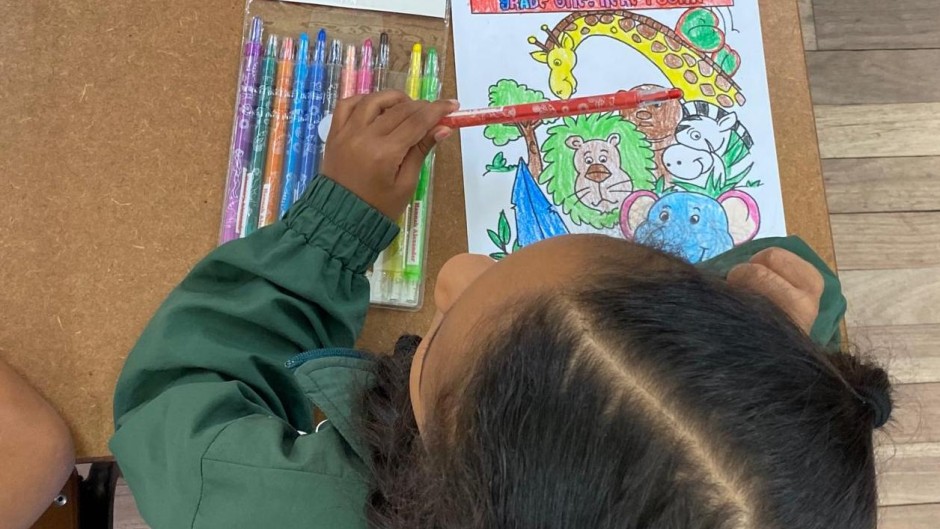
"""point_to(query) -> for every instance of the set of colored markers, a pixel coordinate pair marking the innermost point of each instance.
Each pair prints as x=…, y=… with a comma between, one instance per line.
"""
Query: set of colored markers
x=288, y=89
x=398, y=275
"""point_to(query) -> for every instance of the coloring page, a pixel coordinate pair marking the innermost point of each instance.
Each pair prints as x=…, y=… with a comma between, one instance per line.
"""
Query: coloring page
x=694, y=177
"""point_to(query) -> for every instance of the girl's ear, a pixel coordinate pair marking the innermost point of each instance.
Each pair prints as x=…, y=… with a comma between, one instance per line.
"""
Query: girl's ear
x=456, y=276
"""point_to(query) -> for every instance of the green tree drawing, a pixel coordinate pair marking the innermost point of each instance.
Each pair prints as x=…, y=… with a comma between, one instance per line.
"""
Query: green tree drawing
x=637, y=160
x=510, y=92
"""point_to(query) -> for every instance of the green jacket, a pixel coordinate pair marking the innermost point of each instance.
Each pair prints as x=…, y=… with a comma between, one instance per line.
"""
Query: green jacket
x=214, y=409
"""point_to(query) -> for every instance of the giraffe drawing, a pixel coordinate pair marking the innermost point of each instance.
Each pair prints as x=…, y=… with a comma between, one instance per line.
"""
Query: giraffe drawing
x=698, y=76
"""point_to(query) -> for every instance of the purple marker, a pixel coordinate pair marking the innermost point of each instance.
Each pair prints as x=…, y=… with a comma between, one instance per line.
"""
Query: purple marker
x=241, y=135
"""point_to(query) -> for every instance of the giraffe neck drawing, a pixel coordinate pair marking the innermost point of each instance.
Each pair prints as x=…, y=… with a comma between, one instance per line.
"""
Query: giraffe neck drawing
x=697, y=75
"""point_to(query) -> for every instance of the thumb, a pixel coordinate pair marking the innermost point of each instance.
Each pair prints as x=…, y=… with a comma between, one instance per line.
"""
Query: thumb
x=411, y=165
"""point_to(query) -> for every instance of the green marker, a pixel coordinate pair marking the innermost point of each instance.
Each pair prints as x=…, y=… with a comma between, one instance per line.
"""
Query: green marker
x=255, y=177
x=418, y=223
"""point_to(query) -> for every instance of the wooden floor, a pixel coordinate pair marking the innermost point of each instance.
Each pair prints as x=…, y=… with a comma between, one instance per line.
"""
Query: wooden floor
x=875, y=72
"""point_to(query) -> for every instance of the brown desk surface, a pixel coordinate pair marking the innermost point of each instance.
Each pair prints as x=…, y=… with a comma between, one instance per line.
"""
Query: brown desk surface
x=116, y=123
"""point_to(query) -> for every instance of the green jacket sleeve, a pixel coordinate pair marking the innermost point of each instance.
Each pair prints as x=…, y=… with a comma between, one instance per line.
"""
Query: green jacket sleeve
x=826, y=331
x=209, y=372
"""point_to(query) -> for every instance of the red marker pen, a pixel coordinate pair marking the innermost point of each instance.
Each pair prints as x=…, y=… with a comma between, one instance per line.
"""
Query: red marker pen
x=624, y=100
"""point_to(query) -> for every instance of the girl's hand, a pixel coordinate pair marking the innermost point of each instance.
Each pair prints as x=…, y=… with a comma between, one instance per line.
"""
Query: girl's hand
x=377, y=145
x=784, y=278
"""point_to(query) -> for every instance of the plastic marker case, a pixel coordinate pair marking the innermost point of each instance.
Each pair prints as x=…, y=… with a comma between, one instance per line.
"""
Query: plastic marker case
x=298, y=59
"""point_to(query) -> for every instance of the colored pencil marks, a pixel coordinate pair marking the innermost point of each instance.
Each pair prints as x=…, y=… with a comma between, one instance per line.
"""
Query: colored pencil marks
x=658, y=123
x=687, y=66
x=693, y=226
x=510, y=92
x=593, y=163
x=694, y=177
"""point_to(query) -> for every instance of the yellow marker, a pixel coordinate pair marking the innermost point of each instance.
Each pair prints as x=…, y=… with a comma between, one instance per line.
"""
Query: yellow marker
x=392, y=260
x=413, y=84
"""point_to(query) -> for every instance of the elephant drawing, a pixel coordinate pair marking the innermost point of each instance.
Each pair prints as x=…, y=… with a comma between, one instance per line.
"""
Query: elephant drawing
x=695, y=227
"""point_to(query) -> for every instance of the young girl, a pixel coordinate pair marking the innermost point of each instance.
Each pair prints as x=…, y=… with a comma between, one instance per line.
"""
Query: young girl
x=607, y=385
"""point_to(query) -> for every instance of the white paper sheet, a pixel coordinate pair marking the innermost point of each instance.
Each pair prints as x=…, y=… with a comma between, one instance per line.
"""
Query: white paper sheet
x=696, y=178
x=427, y=8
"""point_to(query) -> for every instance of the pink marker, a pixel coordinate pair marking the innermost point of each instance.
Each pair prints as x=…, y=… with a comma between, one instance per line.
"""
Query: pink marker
x=347, y=85
x=365, y=68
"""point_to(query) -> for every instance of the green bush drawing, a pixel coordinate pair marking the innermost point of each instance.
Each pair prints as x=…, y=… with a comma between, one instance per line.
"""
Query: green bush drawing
x=502, y=238
x=510, y=92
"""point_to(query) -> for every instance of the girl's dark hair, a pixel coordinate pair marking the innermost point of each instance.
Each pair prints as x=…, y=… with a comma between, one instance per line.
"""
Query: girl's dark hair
x=664, y=401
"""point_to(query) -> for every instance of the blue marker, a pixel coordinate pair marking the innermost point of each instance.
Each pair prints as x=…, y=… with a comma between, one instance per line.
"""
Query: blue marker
x=296, y=128
x=311, y=150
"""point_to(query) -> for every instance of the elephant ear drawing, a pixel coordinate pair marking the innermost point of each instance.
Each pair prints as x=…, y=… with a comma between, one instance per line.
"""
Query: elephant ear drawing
x=634, y=211
x=743, y=215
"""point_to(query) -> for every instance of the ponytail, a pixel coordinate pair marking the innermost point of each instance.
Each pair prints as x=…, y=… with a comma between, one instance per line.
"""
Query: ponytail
x=870, y=385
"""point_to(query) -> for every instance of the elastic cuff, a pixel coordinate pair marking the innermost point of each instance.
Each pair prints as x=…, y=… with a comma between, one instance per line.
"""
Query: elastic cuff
x=331, y=217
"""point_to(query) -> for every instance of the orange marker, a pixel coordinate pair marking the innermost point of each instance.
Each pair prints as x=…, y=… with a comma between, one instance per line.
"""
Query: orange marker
x=347, y=87
x=273, y=168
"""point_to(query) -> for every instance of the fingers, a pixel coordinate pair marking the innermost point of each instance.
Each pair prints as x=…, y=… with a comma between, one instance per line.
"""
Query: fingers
x=413, y=162
x=372, y=106
x=793, y=268
x=344, y=109
x=389, y=121
x=802, y=307
x=423, y=148
x=417, y=125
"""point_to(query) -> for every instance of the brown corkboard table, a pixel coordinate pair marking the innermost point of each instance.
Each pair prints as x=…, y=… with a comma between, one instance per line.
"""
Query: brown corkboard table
x=114, y=143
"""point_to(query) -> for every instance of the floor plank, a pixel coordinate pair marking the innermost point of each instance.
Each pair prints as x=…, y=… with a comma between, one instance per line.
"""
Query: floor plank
x=126, y=515
x=908, y=474
x=892, y=297
x=808, y=23
x=870, y=77
x=916, y=415
x=876, y=24
x=873, y=241
x=909, y=517
x=873, y=185
x=911, y=353
x=878, y=131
